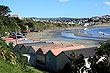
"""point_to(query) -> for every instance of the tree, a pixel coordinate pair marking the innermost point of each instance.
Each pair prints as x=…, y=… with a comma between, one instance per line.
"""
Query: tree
x=11, y=45
x=2, y=43
x=78, y=63
x=4, y=10
x=104, y=49
x=100, y=63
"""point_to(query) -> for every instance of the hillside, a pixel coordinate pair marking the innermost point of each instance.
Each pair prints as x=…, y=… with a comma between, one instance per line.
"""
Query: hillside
x=8, y=68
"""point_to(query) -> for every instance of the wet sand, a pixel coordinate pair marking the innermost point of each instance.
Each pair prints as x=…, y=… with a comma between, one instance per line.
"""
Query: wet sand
x=47, y=36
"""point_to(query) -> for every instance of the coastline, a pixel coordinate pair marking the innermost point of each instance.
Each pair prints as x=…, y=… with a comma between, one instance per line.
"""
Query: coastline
x=47, y=36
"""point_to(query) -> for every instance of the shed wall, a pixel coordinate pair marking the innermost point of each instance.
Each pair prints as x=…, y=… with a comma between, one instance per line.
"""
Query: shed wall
x=50, y=61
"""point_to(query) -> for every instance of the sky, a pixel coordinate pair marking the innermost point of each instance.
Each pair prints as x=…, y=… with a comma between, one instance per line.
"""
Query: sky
x=58, y=8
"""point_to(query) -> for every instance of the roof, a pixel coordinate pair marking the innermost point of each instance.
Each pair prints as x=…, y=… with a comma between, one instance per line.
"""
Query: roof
x=58, y=51
x=15, y=15
x=19, y=45
x=26, y=42
x=27, y=47
x=85, y=51
x=46, y=48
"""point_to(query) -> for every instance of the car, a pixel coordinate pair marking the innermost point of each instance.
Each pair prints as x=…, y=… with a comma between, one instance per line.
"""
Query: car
x=19, y=33
x=21, y=38
x=18, y=37
x=34, y=31
x=24, y=31
x=12, y=34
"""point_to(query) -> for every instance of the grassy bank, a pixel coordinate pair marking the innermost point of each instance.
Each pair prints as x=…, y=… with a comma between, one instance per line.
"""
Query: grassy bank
x=8, y=68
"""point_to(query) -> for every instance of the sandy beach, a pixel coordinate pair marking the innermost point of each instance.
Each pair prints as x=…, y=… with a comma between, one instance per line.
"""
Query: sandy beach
x=47, y=36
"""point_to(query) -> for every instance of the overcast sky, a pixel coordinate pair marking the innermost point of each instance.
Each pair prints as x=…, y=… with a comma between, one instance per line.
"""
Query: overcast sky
x=58, y=8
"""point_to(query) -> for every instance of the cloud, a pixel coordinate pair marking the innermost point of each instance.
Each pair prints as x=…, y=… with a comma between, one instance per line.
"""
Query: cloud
x=107, y=3
x=63, y=0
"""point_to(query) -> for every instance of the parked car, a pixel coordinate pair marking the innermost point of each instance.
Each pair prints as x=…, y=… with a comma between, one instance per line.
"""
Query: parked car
x=19, y=33
x=24, y=31
x=34, y=31
x=18, y=37
x=21, y=38
x=12, y=34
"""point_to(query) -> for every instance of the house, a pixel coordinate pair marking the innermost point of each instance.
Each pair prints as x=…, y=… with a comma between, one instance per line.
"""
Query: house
x=87, y=52
x=17, y=16
x=41, y=50
x=56, y=60
x=26, y=51
x=17, y=48
x=53, y=57
x=84, y=24
x=56, y=63
x=30, y=53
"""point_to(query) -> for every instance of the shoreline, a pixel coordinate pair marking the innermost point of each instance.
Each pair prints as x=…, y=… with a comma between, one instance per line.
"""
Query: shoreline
x=89, y=36
x=47, y=35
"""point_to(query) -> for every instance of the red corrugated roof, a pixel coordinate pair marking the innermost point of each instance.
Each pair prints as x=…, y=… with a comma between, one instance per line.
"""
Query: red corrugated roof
x=15, y=15
x=46, y=48
x=58, y=51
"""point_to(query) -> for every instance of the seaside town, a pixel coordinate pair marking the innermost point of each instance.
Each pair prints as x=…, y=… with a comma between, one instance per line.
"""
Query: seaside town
x=54, y=45
x=81, y=21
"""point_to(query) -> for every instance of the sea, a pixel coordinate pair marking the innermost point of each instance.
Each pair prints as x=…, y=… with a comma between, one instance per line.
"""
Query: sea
x=97, y=33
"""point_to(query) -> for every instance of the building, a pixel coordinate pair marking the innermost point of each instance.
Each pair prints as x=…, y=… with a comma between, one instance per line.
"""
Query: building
x=52, y=57
x=56, y=59
x=41, y=50
x=17, y=16
x=30, y=53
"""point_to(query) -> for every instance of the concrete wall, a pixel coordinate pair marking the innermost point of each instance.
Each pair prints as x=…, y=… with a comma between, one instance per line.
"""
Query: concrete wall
x=50, y=61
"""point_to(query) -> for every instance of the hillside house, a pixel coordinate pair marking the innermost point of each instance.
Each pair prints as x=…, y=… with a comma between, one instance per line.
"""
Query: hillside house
x=16, y=16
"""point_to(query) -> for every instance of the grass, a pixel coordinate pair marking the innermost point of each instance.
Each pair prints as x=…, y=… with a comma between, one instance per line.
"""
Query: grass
x=36, y=70
x=8, y=68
